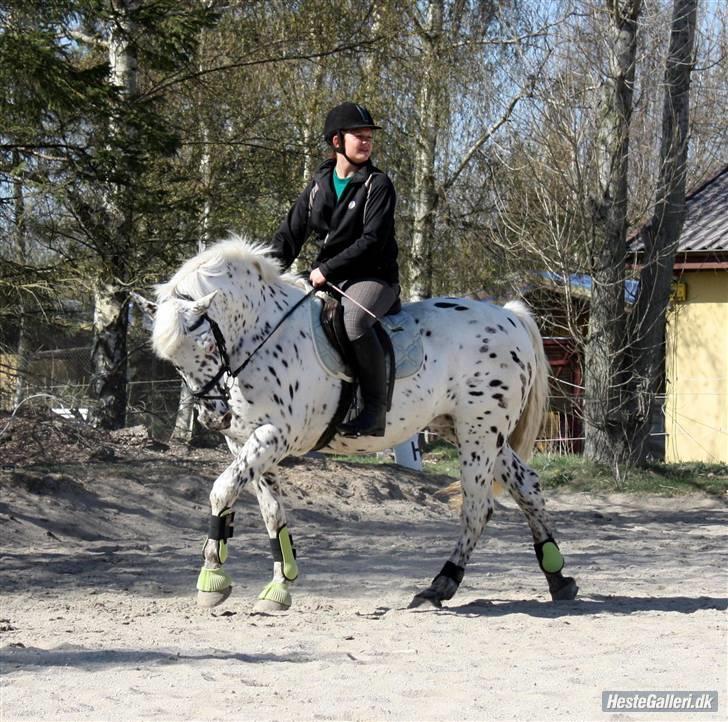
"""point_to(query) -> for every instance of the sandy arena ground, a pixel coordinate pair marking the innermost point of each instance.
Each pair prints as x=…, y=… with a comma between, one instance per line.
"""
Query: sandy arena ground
x=99, y=557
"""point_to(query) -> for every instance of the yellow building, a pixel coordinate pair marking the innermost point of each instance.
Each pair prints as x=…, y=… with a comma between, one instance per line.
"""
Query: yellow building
x=696, y=362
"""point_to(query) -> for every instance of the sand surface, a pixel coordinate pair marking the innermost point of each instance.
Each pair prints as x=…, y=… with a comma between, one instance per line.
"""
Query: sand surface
x=99, y=557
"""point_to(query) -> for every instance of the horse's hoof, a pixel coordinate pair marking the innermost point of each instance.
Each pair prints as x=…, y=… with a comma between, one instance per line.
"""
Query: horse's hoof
x=274, y=598
x=566, y=592
x=212, y=599
x=424, y=598
x=266, y=606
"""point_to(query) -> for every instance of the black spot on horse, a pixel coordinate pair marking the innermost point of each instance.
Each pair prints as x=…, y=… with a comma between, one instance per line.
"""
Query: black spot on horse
x=496, y=382
x=444, y=304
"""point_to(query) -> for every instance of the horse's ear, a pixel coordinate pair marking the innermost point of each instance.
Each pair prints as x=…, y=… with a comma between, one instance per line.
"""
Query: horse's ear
x=202, y=304
x=149, y=308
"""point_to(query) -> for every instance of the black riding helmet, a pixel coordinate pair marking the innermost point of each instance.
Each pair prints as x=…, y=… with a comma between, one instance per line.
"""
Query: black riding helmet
x=347, y=116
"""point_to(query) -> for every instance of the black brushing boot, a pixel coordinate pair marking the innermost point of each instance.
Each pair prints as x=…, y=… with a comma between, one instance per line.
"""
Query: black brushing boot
x=371, y=370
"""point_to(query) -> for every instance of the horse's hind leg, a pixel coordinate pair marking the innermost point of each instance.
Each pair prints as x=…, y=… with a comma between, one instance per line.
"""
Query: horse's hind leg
x=523, y=484
x=476, y=464
x=276, y=595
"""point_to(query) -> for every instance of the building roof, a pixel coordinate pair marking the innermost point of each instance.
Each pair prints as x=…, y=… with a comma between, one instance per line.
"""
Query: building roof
x=706, y=223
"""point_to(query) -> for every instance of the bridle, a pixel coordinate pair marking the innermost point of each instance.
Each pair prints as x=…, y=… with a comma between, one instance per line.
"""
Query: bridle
x=216, y=383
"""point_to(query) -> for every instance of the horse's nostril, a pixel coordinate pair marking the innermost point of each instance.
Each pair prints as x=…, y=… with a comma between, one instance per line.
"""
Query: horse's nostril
x=226, y=420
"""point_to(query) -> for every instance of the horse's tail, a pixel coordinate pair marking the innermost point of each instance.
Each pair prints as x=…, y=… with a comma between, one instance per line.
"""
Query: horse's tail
x=523, y=438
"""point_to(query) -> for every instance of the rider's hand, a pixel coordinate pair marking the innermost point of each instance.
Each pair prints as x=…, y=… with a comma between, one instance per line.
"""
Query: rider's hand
x=317, y=278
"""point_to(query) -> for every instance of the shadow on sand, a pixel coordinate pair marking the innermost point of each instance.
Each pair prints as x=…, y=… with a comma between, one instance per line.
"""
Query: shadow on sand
x=14, y=658
x=592, y=605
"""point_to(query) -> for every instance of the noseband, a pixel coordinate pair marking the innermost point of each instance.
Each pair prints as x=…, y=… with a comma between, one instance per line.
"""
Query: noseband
x=204, y=394
x=223, y=389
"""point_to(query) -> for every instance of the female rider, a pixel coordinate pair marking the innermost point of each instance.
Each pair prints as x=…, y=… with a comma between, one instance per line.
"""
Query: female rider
x=348, y=206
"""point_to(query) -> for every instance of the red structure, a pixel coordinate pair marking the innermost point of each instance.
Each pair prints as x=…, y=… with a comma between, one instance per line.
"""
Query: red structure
x=564, y=430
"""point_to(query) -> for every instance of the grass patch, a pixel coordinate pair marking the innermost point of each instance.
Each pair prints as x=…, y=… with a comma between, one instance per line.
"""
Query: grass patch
x=575, y=473
x=440, y=458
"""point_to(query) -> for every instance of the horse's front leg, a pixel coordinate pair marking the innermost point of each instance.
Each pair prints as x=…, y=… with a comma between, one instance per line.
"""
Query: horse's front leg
x=276, y=596
x=262, y=451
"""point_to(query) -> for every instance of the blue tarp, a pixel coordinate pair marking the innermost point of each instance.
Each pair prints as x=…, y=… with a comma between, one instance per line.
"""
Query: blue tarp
x=583, y=282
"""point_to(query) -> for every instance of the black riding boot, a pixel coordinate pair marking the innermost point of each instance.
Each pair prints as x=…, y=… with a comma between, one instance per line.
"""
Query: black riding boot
x=371, y=370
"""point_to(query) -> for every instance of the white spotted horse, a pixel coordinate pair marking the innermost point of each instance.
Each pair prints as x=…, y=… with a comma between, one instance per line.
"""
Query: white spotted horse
x=240, y=334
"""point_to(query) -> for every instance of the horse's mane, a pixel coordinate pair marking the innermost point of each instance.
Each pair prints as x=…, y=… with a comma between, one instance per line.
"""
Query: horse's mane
x=200, y=275
x=197, y=277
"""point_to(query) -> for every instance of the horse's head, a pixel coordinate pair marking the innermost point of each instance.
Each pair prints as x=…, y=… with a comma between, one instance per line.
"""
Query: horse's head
x=187, y=336
x=185, y=319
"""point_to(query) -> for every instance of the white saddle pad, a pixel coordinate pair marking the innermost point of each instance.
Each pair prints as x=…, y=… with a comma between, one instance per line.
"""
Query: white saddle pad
x=401, y=329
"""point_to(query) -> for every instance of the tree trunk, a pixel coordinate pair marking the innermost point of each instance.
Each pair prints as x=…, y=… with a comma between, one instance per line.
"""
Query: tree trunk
x=21, y=256
x=108, y=354
x=186, y=427
x=424, y=190
x=647, y=323
x=312, y=128
x=23, y=352
x=603, y=412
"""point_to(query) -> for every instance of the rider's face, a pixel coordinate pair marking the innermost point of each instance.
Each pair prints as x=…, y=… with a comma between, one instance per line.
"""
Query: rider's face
x=358, y=144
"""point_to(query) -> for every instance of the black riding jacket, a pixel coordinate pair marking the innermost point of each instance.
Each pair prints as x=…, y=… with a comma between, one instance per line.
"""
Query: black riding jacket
x=355, y=234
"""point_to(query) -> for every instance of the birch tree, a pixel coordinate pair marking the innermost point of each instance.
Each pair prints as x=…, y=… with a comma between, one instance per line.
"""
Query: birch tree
x=19, y=235
x=109, y=350
x=459, y=46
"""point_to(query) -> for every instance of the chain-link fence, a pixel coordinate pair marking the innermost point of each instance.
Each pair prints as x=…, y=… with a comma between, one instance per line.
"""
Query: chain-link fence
x=59, y=379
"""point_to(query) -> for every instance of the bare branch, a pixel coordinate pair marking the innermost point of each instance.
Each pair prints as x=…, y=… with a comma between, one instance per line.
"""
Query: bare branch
x=484, y=137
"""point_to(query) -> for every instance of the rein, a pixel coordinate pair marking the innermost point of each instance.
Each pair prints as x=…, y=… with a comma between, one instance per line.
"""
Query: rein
x=204, y=392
